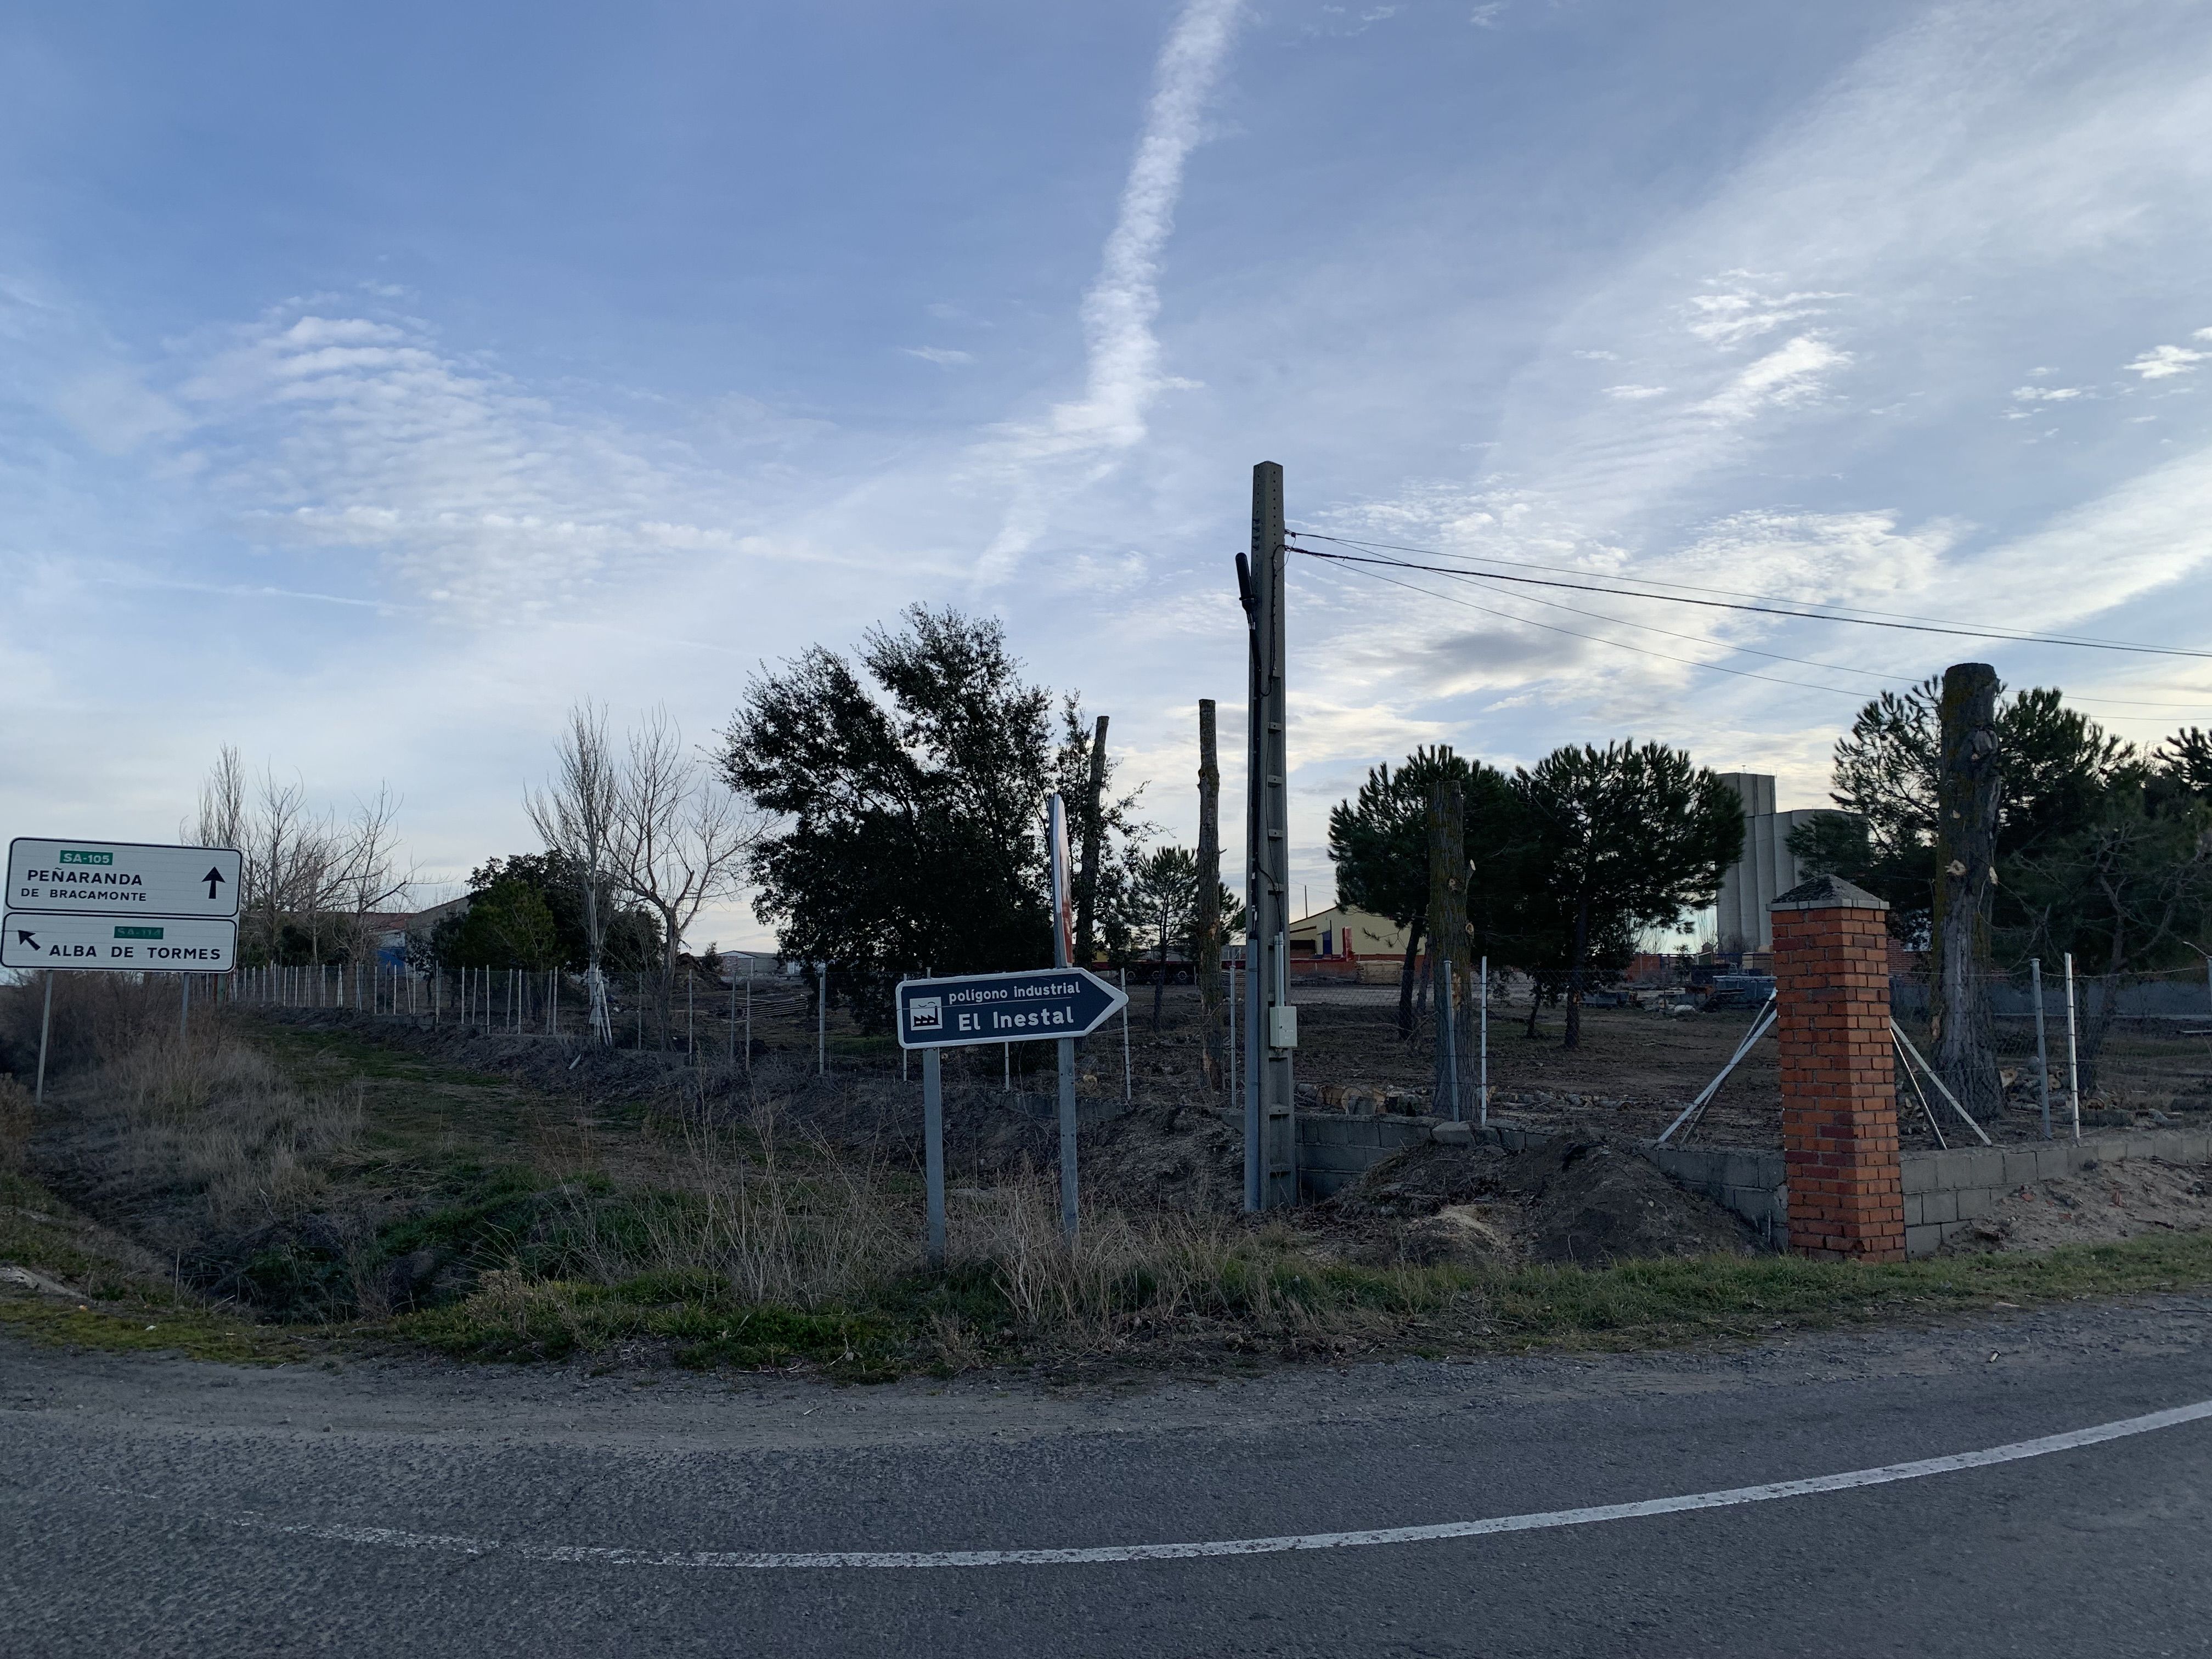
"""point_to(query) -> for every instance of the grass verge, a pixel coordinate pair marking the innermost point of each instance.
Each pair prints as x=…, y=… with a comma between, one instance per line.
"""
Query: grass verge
x=354, y=1196
x=1286, y=1305
x=120, y=1305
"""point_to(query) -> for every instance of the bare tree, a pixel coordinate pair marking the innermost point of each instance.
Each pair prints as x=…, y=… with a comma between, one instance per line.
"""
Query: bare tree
x=578, y=814
x=681, y=839
x=223, y=802
x=365, y=875
x=300, y=872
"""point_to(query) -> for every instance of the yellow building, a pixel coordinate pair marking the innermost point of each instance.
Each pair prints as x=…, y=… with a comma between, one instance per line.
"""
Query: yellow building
x=1346, y=941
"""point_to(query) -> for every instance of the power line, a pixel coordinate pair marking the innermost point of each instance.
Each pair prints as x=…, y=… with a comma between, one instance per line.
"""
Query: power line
x=1692, y=662
x=1732, y=647
x=1600, y=639
x=1870, y=620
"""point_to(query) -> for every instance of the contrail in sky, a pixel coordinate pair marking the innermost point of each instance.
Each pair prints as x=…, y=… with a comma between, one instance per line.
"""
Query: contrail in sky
x=1123, y=372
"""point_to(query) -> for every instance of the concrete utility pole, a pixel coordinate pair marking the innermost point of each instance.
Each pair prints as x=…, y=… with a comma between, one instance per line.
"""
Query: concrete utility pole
x=1209, y=927
x=1966, y=791
x=1271, y=1141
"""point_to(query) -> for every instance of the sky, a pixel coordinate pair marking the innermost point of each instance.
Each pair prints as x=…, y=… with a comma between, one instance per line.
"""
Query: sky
x=377, y=382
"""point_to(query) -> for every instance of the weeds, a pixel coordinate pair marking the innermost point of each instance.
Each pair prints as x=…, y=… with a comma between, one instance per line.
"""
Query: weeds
x=726, y=1235
x=212, y=1115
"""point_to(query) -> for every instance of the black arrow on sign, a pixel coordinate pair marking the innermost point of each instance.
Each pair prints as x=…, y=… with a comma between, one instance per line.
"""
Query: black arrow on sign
x=213, y=879
x=22, y=938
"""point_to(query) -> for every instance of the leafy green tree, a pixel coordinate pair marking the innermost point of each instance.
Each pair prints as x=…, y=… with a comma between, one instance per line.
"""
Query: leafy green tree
x=1625, y=837
x=908, y=791
x=2057, y=767
x=1163, y=886
x=1379, y=843
x=527, y=911
x=2125, y=890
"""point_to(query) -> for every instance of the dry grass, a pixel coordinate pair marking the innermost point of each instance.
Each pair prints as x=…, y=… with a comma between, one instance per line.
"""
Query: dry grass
x=213, y=1116
x=14, y=1124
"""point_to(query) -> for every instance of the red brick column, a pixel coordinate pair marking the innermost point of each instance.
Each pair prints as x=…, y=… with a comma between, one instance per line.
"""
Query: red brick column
x=1838, y=1086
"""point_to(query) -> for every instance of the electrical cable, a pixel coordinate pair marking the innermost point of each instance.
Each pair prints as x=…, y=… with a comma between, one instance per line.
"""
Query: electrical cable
x=2092, y=704
x=1599, y=639
x=1870, y=620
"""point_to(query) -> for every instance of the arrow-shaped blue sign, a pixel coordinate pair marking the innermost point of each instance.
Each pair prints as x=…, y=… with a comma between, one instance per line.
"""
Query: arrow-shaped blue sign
x=1034, y=1005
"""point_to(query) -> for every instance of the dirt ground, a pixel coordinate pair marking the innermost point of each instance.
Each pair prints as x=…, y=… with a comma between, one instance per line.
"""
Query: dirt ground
x=1576, y=1202
x=1632, y=1075
x=2100, y=1204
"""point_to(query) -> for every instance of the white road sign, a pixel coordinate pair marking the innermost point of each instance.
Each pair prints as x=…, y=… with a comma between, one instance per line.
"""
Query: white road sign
x=165, y=944
x=120, y=878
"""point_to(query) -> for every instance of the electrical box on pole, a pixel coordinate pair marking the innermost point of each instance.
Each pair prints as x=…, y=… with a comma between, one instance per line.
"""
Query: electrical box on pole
x=1271, y=1031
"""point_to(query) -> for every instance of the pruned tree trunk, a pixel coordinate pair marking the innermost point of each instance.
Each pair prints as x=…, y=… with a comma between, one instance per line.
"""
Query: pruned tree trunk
x=1447, y=926
x=1966, y=879
x=1086, y=879
x=1405, y=976
x=1573, y=1039
x=1211, y=1035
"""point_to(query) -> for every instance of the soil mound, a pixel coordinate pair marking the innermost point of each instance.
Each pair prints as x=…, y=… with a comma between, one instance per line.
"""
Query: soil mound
x=1567, y=1201
x=1422, y=1179
x=1167, y=1158
x=2102, y=1203
x=1590, y=1204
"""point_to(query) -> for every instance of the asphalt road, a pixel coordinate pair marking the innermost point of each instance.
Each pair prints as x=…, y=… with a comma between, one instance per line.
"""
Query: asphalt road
x=159, y=1507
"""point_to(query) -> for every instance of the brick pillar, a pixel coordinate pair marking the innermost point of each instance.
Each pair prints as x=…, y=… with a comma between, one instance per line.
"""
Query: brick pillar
x=1838, y=1086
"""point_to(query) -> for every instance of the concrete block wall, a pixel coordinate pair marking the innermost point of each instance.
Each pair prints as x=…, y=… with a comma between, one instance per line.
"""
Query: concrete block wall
x=1336, y=1148
x=1946, y=1192
x=1745, y=1179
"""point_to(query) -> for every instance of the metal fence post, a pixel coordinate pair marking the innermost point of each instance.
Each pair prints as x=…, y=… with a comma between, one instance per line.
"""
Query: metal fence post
x=1129, y=1086
x=1482, y=1084
x=2073, y=1053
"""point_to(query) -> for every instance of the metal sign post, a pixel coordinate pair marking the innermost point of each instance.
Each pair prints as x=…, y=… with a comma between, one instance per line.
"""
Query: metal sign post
x=933, y=1148
x=1036, y=1004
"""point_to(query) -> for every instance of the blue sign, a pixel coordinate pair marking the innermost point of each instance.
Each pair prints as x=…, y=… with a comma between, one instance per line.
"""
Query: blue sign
x=1034, y=1005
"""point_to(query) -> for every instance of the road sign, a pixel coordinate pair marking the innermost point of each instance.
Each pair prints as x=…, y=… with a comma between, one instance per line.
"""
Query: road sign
x=121, y=879
x=1034, y=1005
x=168, y=945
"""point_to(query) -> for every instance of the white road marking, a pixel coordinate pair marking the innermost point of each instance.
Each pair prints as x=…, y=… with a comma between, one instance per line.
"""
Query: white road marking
x=1104, y=1554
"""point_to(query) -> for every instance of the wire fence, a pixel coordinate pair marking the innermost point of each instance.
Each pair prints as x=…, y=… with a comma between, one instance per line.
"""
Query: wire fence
x=2109, y=1050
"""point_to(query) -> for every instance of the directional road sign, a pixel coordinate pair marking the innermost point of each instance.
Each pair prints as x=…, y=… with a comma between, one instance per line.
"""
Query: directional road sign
x=121, y=879
x=167, y=945
x=1030, y=1006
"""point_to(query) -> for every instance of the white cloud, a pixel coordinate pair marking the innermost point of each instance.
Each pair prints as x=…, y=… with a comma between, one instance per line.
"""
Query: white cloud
x=2057, y=394
x=115, y=412
x=1486, y=17
x=1740, y=313
x=1597, y=356
x=1789, y=376
x=341, y=433
x=939, y=353
x=1635, y=393
x=2162, y=362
